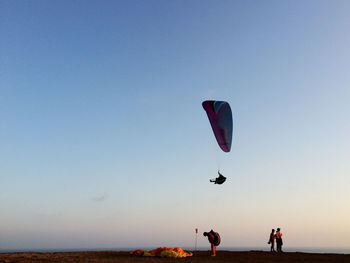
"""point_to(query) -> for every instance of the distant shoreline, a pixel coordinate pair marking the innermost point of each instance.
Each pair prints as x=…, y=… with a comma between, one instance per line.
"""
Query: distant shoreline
x=317, y=250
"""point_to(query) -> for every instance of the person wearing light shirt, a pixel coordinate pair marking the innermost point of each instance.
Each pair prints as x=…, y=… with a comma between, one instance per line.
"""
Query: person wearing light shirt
x=279, y=240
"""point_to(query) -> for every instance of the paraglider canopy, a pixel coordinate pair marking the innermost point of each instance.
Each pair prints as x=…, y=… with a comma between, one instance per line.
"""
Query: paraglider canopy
x=220, y=118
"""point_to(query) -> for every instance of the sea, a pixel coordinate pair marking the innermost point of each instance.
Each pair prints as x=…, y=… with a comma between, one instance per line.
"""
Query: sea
x=322, y=250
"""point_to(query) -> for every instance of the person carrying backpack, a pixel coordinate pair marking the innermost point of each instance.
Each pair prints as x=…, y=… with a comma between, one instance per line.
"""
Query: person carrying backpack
x=214, y=240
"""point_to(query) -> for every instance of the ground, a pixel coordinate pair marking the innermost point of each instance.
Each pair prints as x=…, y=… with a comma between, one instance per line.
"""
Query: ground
x=199, y=257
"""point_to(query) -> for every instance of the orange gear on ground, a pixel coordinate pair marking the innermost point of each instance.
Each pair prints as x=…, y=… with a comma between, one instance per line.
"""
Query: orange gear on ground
x=177, y=252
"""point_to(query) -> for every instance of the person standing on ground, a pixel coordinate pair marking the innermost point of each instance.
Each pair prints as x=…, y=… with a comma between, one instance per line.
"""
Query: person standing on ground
x=279, y=240
x=214, y=240
x=272, y=240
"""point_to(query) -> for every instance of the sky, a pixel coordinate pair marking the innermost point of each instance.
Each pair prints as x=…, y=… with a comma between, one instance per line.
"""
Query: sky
x=104, y=142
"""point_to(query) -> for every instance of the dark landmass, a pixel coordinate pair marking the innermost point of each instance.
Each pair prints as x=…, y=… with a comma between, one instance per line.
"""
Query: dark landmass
x=198, y=257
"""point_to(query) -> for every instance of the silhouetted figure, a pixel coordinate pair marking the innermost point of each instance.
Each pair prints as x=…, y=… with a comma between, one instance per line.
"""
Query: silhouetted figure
x=272, y=240
x=214, y=240
x=279, y=240
x=219, y=180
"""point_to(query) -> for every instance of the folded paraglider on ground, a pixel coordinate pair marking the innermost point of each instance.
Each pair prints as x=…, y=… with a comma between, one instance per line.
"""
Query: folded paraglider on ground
x=177, y=252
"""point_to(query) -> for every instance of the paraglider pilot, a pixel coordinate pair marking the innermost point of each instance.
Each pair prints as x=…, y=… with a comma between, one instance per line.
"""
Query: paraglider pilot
x=219, y=180
x=214, y=240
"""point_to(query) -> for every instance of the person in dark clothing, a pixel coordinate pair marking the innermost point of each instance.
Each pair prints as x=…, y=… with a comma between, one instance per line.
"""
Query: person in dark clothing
x=272, y=240
x=279, y=241
x=219, y=180
x=214, y=240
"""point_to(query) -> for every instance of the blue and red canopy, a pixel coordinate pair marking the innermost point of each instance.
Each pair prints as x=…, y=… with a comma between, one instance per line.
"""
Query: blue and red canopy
x=220, y=118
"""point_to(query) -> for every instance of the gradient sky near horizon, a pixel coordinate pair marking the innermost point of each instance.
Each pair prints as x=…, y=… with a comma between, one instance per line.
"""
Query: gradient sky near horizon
x=104, y=142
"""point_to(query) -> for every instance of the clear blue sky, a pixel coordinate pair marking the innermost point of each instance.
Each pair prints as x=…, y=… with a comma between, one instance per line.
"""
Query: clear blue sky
x=104, y=143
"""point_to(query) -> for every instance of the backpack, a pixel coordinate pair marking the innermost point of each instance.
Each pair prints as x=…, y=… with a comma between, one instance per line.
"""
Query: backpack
x=217, y=238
